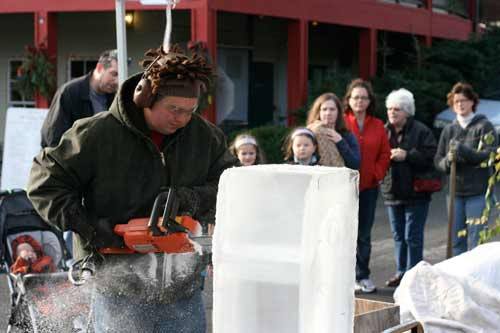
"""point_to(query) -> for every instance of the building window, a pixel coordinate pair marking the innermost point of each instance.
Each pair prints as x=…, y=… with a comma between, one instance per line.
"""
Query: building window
x=454, y=7
x=14, y=96
x=79, y=67
x=410, y=3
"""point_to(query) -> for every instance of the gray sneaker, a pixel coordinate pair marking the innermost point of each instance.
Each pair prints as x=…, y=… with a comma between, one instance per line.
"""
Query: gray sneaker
x=357, y=286
x=366, y=286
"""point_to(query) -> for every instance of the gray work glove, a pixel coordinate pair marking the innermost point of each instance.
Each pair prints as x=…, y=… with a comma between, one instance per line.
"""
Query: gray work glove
x=189, y=201
x=455, y=152
x=105, y=236
x=207, y=219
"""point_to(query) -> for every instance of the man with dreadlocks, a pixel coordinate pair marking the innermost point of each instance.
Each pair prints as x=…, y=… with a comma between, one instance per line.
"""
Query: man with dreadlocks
x=109, y=168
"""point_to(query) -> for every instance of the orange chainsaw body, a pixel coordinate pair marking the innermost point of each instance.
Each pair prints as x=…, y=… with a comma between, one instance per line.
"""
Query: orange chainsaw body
x=139, y=238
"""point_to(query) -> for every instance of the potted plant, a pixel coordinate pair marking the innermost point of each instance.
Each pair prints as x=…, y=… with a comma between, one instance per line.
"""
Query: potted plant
x=36, y=74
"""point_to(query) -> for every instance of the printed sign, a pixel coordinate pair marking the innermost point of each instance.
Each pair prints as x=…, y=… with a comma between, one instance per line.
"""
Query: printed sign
x=21, y=144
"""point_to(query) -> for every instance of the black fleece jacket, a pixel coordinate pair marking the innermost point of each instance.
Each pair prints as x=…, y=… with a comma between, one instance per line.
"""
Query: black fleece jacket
x=70, y=103
x=471, y=178
x=420, y=146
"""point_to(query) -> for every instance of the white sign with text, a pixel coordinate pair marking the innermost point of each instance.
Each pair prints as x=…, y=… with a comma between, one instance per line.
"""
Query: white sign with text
x=21, y=144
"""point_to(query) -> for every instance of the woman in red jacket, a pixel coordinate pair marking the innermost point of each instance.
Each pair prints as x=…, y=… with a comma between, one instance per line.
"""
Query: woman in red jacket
x=375, y=159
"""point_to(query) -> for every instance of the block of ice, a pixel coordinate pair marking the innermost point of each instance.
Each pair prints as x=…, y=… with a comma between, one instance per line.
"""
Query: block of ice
x=284, y=249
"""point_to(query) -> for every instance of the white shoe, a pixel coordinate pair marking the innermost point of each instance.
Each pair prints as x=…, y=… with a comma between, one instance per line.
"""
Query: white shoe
x=357, y=286
x=366, y=286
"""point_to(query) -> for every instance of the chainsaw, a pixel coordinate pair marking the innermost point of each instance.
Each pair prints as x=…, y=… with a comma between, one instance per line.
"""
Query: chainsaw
x=168, y=233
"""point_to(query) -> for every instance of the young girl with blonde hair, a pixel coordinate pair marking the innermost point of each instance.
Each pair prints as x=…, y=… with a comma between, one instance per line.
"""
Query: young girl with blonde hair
x=246, y=148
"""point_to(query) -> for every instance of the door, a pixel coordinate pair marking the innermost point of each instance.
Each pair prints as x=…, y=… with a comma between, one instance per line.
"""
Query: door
x=261, y=94
x=232, y=85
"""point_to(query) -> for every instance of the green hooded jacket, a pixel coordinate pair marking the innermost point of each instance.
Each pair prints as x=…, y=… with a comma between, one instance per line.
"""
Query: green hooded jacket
x=107, y=167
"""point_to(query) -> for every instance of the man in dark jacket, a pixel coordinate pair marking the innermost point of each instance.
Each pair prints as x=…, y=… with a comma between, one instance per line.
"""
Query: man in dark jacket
x=109, y=168
x=80, y=98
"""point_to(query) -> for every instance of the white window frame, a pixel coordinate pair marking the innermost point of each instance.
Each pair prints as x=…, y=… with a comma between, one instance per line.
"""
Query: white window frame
x=10, y=83
x=85, y=69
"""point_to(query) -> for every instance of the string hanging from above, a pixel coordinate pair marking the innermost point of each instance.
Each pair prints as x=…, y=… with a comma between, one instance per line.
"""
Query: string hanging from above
x=168, y=29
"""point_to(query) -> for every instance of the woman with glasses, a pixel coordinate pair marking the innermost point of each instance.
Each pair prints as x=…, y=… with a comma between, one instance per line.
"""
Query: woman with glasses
x=408, y=185
x=462, y=142
x=375, y=159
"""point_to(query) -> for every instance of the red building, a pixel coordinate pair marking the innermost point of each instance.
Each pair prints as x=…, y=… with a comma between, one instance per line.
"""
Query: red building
x=267, y=49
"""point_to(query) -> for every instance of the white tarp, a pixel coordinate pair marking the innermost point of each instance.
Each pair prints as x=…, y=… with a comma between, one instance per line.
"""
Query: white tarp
x=284, y=249
x=21, y=144
x=461, y=294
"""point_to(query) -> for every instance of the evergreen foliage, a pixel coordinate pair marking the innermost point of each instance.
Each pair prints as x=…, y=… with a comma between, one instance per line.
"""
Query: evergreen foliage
x=36, y=73
x=270, y=139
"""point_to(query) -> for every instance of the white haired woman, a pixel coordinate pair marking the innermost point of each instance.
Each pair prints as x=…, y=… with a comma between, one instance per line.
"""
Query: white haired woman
x=412, y=151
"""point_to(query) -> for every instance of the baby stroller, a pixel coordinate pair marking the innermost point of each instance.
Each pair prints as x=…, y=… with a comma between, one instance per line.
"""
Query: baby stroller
x=40, y=302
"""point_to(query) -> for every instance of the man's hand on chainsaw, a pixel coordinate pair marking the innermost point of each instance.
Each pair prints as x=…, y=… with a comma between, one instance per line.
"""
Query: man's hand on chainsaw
x=189, y=201
x=105, y=235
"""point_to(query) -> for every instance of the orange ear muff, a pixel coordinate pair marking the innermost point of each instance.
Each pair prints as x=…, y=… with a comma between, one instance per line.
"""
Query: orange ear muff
x=143, y=94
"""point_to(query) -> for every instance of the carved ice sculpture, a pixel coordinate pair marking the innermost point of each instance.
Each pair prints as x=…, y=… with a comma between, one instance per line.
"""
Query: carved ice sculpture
x=284, y=249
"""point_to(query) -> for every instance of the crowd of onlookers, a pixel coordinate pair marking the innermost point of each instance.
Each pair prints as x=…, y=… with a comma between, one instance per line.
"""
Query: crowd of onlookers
x=401, y=159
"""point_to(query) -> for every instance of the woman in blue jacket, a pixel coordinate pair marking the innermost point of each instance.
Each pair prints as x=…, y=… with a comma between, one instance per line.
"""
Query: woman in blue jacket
x=337, y=146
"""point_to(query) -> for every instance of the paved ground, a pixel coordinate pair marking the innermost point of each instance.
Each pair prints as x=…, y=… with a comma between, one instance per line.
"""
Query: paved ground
x=382, y=264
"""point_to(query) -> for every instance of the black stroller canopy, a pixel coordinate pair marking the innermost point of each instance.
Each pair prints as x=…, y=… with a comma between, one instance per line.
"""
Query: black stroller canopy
x=18, y=215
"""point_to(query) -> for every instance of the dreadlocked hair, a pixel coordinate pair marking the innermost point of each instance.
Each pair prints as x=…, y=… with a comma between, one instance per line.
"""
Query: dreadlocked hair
x=160, y=68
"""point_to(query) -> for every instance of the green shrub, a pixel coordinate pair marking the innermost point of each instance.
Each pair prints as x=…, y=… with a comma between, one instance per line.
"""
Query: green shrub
x=270, y=139
x=335, y=80
x=430, y=95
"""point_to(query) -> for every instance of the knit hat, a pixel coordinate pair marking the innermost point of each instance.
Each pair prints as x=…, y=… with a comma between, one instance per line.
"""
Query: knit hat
x=171, y=74
x=37, y=247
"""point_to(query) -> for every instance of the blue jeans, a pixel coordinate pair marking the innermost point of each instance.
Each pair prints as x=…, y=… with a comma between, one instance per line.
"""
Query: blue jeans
x=125, y=314
x=367, y=206
x=467, y=207
x=407, y=226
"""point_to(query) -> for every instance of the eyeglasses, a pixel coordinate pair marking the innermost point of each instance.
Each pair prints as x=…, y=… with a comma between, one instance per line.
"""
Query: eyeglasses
x=180, y=111
x=461, y=101
x=360, y=98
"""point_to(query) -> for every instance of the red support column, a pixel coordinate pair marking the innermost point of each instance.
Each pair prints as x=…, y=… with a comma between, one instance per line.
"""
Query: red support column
x=45, y=36
x=428, y=37
x=473, y=14
x=297, y=68
x=427, y=41
x=367, y=53
x=204, y=29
